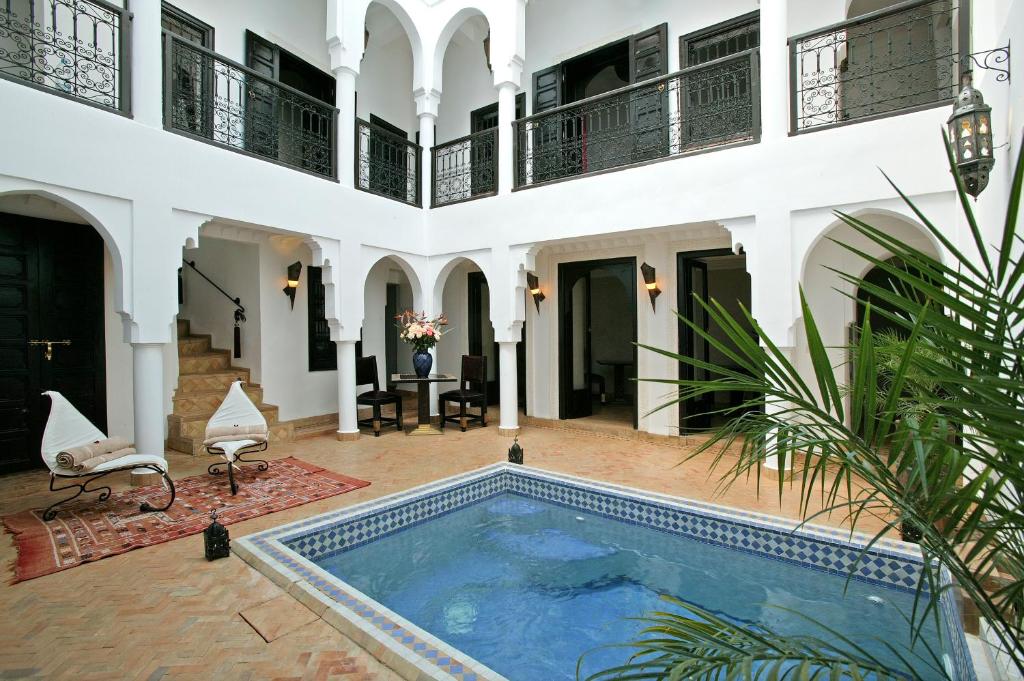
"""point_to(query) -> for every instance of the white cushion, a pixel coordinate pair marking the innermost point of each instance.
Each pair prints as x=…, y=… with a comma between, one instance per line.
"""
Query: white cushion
x=231, y=448
x=132, y=460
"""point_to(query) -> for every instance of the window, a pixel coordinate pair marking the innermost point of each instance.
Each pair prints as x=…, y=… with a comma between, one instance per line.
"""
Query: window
x=191, y=72
x=184, y=25
x=721, y=40
x=322, y=353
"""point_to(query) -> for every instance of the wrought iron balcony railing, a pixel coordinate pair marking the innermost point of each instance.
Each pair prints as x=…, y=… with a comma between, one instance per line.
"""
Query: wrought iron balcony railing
x=700, y=107
x=465, y=168
x=387, y=164
x=73, y=48
x=895, y=60
x=221, y=102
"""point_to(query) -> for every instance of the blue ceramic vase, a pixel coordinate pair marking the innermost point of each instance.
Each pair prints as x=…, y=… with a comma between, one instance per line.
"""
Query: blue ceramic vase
x=421, y=362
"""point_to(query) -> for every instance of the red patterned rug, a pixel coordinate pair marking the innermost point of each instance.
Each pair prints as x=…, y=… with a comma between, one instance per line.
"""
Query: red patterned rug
x=87, y=530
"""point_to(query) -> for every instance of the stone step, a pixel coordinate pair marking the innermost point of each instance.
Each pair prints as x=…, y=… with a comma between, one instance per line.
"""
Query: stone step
x=207, y=401
x=194, y=425
x=214, y=360
x=183, y=327
x=193, y=345
x=212, y=380
x=279, y=432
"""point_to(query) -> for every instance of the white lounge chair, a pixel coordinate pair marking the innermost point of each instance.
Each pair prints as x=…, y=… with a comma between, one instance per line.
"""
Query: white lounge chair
x=67, y=428
x=237, y=428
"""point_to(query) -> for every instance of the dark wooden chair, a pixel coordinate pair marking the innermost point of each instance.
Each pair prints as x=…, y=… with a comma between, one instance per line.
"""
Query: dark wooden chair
x=366, y=374
x=472, y=392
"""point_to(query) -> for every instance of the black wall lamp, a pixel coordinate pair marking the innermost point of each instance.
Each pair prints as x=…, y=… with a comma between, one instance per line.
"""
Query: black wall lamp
x=970, y=133
x=294, y=270
x=650, y=282
x=534, y=285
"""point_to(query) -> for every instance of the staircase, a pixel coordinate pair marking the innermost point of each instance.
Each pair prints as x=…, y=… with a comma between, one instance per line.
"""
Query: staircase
x=204, y=376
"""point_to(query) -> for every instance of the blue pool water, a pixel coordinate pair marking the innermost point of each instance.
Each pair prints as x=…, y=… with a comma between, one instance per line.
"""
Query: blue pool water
x=526, y=587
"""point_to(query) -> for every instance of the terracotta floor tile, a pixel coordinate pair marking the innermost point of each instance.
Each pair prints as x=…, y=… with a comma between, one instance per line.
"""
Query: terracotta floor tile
x=278, y=617
x=165, y=613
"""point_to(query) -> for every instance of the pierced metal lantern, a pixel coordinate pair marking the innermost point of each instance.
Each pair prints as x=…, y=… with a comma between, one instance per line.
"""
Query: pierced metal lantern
x=216, y=539
x=970, y=133
x=515, y=452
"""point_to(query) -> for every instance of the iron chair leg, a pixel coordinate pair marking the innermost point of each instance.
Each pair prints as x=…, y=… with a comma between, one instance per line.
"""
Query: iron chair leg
x=51, y=512
x=231, y=478
x=376, y=420
x=483, y=413
x=398, y=415
x=462, y=415
x=442, y=409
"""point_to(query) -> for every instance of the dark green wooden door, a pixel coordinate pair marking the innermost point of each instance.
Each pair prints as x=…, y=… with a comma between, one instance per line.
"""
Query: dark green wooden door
x=51, y=289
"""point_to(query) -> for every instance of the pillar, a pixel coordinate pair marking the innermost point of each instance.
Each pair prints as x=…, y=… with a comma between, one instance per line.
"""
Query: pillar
x=506, y=136
x=509, y=382
x=345, y=100
x=426, y=110
x=146, y=64
x=148, y=397
x=348, y=427
x=775, y=87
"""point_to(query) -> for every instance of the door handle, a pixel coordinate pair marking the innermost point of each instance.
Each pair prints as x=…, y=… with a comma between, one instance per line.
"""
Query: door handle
x=48, y=354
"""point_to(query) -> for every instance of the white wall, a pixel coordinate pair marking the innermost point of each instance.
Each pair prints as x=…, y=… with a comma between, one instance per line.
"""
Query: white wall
x=468, y=85
x=235, y=267
x=384, y=84
x=296, y=26
x=284, y=336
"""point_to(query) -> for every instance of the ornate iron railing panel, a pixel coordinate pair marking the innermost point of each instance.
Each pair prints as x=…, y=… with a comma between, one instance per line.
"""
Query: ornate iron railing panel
x=699, y=107
x=220, y=101
x=387, y=164
x=465, y=168
x=903, y=57
x=76, y=48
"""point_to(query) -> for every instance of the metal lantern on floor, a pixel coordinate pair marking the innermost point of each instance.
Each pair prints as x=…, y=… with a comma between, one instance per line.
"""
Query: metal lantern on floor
x=216, y=539
x=515, y=452
x=970, y=133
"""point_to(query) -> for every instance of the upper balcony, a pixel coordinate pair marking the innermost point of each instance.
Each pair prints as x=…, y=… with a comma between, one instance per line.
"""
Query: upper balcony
x=614, y=104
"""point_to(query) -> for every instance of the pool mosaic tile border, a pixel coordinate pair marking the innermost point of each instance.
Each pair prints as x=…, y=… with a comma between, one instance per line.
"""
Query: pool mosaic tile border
x=287, y=555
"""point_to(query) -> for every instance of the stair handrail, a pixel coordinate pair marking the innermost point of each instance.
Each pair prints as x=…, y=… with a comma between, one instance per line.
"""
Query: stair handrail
x=239, y=308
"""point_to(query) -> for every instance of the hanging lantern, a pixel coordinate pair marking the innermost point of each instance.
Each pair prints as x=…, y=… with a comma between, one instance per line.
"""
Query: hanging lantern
x=515, y=452
x=216, y=539
x=970, y=133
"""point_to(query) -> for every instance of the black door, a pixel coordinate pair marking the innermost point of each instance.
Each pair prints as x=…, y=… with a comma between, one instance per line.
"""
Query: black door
x=261, y=120
x=693, y=412
x=390, y=334
x=51, y=289
x=574, y=334
x=479, y=323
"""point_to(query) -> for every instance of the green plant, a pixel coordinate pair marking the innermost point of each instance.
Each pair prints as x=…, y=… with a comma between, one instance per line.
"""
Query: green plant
x=863, y=453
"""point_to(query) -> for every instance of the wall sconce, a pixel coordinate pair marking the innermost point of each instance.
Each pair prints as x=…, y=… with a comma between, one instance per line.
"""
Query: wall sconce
x=650, y=283
x=970, y=134
x=533, y=284
x=294, y=270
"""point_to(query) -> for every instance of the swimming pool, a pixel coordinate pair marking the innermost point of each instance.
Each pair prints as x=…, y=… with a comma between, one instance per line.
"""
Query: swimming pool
x=511, y=572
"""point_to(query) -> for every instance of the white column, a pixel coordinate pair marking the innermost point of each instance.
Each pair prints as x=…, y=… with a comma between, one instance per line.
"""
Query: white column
x=432, y=388
x=427, y=121
x=506, y=145
x=775, y=95
x=772, y=464
x=345, y=100
x=148, y=394
x=146, y=64
x=427, y=102
x=509, y=382
x=348, y=428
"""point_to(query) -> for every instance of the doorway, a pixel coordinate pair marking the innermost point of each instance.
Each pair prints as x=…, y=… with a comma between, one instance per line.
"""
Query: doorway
x=719, y=275
x=597, y=333
x=51, y=289
x=481, y=332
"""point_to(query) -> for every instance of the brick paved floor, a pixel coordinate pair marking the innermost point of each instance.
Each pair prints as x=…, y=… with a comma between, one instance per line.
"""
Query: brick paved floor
x=165, y=613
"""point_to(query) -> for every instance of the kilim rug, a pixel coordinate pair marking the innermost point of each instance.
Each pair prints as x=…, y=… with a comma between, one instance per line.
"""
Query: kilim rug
x=88, y=530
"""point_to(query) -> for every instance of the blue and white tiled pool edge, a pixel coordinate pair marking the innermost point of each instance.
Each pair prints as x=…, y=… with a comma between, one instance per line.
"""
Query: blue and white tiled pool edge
x=285, y=554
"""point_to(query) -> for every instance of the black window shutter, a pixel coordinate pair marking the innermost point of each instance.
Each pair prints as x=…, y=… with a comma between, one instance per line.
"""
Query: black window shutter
x=648, y=58
x=648, y=54
x=262, y=56
x=322, y=353
x=547, y=88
